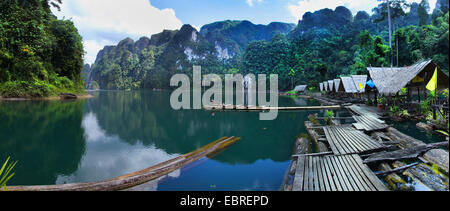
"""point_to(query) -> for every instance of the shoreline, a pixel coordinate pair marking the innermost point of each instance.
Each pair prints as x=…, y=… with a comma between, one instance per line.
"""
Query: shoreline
x=79, y=97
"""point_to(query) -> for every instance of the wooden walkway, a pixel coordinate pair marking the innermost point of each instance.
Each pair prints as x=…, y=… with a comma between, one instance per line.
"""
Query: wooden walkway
x=335, y=173
x=263, y=108
x=359, y=110
x=369, y=123
x=347, y=140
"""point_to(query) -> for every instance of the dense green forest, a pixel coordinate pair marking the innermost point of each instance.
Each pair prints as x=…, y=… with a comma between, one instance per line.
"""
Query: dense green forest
x=325, y=44
x=149, y=63
x=42, y=56
x=39, y=55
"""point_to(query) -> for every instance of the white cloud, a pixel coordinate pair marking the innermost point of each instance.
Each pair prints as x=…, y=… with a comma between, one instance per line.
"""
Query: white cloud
x=302, y=6
x=251, y=2
x=109, y=21
x=107, y=156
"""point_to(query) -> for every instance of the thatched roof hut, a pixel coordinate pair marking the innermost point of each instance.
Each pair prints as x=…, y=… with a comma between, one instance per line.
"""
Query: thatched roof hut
x=347, y=85
x=300, y=88
x=337, y=83
x=359, y=79
x=389, y=81
x=330, y=85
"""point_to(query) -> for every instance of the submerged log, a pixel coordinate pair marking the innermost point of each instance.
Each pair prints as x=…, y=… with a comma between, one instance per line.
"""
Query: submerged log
x=412, y=152
x=394, y=181
x=426, y=176
x=139, y=177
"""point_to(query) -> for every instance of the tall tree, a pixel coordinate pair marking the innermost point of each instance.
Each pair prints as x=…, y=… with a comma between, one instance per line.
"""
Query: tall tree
x=424, y=8
x=390, y=10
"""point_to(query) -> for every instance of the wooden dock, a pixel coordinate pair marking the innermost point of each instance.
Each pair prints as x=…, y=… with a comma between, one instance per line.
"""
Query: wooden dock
x=335, y=173
x=264, y=108
x=369, y=123
x=347, y=140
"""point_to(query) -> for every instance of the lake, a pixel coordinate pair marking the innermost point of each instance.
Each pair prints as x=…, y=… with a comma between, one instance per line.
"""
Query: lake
x=119, y=132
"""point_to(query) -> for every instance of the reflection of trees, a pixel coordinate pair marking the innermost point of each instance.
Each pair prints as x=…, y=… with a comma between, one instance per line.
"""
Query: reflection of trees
x=147, y=117
x=45, y=137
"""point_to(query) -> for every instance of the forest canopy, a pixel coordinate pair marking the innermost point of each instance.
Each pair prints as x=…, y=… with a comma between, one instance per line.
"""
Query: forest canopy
x=39, y=55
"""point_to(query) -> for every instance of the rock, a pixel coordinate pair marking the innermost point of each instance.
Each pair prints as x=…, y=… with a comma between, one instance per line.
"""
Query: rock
x=302, y=146
x=424, y=126
x=67, y=96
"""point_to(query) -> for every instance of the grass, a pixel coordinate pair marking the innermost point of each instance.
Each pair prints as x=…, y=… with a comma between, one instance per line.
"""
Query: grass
x=5, y=173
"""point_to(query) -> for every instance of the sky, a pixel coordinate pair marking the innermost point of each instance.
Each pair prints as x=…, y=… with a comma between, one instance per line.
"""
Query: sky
x=106, y=22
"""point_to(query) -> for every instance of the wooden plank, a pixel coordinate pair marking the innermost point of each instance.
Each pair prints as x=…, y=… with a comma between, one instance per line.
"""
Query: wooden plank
x=315, y=173
x=306, y=179
x=359, y=126
x=340, y=147
x=367, y=140
x=340, y=175
x=347, y=140
x=370, y=175
x=299, y=174
x=354, y=140
x=362, y=174
x=347, y=174
x=329, y=175
x=323, y=171
x=337, y=181
x=362, y=140
x=330, y=142
x=311, y=174
x=356, y=177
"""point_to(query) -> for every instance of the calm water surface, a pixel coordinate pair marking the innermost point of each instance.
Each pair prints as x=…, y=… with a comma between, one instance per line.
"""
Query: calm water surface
x=118, y=132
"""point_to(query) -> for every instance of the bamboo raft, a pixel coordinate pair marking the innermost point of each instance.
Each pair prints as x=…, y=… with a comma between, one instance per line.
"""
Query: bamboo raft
x=264, y=108
x=347, y=140
x=139, y=177
x=335, y=173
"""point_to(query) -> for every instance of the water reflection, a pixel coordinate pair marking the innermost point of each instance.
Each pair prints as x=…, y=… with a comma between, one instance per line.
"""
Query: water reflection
x=119, y=132
x=45, y=137
x=107, y=156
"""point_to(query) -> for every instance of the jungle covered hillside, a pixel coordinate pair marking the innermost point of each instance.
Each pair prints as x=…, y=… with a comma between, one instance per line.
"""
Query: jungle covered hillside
x=324, y=44
x=40, y=55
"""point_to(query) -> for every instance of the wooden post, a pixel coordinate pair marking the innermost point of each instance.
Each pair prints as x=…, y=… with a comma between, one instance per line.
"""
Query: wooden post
x=408, y=91
x=418, y=93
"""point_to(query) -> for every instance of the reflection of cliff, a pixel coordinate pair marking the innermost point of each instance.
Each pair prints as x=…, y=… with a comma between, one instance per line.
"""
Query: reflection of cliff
x=45, y=137
x=146, y=117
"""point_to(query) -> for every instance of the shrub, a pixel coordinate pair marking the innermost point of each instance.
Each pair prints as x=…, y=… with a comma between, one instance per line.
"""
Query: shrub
x=36, y=88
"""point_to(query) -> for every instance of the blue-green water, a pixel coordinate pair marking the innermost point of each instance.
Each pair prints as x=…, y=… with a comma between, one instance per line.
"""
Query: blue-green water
x=118, y=132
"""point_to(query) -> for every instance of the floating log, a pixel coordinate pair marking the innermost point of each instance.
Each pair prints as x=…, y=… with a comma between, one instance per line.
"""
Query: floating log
x=313, y=154
x=407, y=153
x=264, y=108
x=382, y=173
x=139, y=177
